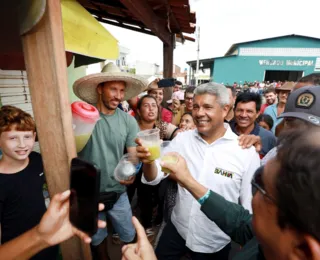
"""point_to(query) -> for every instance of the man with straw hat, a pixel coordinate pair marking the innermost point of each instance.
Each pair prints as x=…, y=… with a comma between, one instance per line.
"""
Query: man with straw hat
x=276, y=109
x=113, y=134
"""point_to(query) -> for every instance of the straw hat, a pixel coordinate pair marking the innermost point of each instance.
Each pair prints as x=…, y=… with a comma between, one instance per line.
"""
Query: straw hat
x=85, y=88
x=288, y=86
x=152, y=83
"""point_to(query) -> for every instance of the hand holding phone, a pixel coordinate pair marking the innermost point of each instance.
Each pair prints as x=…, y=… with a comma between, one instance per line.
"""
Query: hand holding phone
x=84, y=199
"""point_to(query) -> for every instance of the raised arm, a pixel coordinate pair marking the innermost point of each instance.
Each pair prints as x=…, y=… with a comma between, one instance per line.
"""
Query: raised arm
x=231, y=218
x=53, y=229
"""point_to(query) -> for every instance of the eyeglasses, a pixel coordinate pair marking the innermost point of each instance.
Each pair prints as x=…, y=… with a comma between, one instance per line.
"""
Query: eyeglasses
x=258, y=185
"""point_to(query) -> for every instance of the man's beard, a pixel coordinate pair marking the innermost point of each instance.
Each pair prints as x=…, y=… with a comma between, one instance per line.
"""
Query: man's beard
x=271, y=103
x=106, y=104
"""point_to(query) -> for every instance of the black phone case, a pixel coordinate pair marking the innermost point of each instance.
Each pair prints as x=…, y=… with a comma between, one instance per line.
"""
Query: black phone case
x=92, y=219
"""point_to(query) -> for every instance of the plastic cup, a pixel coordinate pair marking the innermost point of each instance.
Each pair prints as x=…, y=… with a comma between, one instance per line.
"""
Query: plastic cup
x=165, y=157
x=84, y=119
x=151, y=140
x=127, y=167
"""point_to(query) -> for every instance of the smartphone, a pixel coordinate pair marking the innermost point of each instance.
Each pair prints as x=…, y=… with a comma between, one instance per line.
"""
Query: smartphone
x=84, y=198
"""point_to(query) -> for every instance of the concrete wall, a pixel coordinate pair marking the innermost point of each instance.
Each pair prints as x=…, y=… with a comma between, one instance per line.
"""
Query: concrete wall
x=146, y=69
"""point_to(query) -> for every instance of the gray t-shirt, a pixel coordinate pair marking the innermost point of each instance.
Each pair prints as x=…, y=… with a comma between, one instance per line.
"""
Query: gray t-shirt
x=111, y=135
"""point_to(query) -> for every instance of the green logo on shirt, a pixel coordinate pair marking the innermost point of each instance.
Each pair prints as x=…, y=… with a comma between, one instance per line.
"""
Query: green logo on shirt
x=223, y=172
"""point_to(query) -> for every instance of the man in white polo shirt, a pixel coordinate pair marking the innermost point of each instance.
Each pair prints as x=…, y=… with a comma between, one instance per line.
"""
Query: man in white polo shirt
x=216, y=160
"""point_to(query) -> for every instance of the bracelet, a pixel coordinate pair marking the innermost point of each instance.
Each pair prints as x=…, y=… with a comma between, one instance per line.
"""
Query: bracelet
x=203, y=199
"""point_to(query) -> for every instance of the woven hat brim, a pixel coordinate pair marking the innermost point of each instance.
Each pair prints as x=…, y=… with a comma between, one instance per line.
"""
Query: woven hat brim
x=85, y=88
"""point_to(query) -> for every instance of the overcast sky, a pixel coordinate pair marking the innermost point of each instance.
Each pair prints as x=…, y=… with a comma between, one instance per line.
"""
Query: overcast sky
x=224, y=22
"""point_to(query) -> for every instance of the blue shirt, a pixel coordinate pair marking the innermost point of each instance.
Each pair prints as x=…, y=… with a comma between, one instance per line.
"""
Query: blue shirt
x=267, y=138
x=272, y=111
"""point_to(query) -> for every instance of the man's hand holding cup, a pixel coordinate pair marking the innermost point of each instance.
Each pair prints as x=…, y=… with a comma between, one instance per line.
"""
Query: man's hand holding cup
x=178, y=169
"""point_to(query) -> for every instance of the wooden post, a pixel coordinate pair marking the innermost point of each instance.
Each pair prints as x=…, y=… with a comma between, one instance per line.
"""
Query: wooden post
x=47, y=74
x=168, y=67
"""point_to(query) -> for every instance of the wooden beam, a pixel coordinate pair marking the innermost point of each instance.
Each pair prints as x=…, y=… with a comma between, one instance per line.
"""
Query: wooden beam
x=174, y=20
x=144, y=13
x=106, y=8
x=105, y=15
x=168, y=68
x=141, y=30
x=187, y=38
x=47, y=75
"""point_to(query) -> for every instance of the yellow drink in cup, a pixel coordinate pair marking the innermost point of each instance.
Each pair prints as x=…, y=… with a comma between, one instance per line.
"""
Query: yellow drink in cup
x=154, y=150
x=81, y=141
x=165, y=157
x=151, y=140
x=168, y=159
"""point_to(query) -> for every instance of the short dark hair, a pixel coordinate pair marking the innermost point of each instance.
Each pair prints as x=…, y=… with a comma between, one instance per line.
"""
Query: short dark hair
x=249, y=97
x=265, y=118
x=270, y=90
x=313, y=78
x=187, y=113
x=178, y=83
x=189, y=90
x=233, y=90
x=298, y=181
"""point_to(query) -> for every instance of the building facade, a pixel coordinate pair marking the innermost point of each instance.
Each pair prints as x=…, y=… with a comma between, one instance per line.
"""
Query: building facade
x=274, y=59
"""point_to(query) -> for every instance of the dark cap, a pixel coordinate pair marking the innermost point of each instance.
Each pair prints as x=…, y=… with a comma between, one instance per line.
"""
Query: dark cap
x=304, y=103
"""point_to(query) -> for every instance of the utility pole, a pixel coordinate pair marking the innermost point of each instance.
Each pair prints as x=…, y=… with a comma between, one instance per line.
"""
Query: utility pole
x=198, y=54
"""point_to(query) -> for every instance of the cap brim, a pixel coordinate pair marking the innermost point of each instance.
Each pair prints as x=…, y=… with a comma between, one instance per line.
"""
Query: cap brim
x=315, y=120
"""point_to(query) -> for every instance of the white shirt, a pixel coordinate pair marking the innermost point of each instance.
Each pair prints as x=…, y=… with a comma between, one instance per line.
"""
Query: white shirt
x=223, y=167
x=270, y=155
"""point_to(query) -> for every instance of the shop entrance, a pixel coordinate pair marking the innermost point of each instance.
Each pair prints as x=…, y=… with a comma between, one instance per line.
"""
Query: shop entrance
x=282, y=75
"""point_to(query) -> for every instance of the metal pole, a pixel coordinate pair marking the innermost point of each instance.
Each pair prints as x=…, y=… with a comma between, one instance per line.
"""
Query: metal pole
x=198, y=54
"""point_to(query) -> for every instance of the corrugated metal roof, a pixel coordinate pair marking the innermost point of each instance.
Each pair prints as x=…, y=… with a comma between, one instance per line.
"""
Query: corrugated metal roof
x=235, y=45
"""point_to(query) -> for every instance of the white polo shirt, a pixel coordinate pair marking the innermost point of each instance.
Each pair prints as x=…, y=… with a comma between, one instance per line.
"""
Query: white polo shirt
x=223, y=167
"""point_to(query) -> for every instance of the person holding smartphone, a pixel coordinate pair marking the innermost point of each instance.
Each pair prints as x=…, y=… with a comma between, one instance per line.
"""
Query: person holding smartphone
x=53, y=229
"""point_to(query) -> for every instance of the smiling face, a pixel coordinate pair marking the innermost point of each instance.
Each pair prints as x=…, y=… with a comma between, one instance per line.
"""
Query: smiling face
x=245, y=114
x=188, y=100
x=208, y=114
x=283, y=96
x=157, y=94
x=148, y=111
x=270, y=98
x=112, y=93
x=17, y=144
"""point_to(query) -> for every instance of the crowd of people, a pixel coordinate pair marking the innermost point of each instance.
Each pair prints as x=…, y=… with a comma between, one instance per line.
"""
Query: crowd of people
x=246, y=172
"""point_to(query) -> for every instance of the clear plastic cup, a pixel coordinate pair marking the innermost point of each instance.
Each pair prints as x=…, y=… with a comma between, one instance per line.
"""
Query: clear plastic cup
x=127, y=167
x=151, y=140
x=164, y=148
